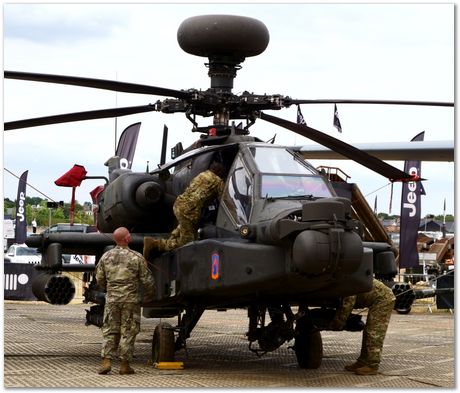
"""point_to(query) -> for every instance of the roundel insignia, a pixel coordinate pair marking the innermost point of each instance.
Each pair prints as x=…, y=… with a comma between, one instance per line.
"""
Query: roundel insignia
x=215, y=262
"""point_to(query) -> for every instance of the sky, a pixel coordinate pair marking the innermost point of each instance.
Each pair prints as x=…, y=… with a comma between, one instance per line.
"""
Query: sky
x=330, y=51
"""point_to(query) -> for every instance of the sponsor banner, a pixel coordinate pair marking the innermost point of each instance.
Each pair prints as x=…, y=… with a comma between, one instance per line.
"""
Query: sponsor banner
x=410, y=213
x=17, y=280
x=127, y=145
x=21, y=219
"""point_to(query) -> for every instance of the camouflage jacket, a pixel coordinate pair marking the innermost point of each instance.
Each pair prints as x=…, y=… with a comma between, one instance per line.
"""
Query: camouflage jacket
x=120, y=271
x=379, y=293
x=203, y=189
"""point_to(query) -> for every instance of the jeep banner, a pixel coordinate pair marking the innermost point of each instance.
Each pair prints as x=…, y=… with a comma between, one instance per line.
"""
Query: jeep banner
x=20, y=231
x=127, y=145
x=410, y=213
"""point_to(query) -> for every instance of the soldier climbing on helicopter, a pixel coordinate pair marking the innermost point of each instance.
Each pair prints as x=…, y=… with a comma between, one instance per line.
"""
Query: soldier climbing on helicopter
x=202, y=191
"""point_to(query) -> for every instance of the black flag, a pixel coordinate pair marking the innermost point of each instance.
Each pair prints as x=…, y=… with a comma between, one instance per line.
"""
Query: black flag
x=127, y=145
x=410, y=213
x=300, y=118
x=20, y=231
x=444, y=211
x=422, y=189
x=336, y=119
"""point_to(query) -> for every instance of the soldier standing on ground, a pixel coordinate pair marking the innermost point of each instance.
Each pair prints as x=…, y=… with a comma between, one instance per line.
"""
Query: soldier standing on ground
x=203, y=189
x=34, y=226
x=380, y=301
x=119, y=272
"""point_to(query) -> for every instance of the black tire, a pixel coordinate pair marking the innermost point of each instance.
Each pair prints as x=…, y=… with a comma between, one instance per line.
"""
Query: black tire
x=403, y=310
x=308, y=349
x=163, y=343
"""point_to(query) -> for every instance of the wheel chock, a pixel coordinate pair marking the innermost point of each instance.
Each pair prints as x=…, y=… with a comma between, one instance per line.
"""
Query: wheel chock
x=169, y=365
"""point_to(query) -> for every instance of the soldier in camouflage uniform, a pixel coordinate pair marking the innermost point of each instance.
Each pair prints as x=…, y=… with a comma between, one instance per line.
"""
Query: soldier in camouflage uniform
x=201, y=192
x=119, y=272
x=380, y=301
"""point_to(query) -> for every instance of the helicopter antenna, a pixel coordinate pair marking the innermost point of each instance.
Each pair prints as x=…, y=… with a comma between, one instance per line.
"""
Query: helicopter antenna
x=164, y=145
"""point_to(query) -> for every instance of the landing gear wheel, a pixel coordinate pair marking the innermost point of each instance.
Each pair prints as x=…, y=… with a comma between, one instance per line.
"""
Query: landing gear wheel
x=404, y=310
x=308, y=349
x=163, y=343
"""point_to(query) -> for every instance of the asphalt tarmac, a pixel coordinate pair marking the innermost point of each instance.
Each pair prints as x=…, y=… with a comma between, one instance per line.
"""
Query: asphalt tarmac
x=49, y=346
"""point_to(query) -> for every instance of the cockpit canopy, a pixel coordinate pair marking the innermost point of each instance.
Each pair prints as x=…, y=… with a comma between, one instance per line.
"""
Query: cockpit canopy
x=262, y=172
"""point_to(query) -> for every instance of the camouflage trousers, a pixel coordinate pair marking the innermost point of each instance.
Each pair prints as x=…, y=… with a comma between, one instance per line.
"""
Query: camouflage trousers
x=185, y=232
x=378, y=318
x=121, y=325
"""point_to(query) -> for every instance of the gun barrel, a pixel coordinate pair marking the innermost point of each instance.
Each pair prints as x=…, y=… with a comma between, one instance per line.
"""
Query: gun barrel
x=426, y=293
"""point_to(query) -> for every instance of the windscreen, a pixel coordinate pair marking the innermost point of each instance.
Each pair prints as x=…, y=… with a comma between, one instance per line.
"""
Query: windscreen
x=26, y=251
x=283, y=175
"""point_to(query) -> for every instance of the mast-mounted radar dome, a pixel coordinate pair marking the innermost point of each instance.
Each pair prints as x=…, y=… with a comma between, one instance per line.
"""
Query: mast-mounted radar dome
x=226, y=40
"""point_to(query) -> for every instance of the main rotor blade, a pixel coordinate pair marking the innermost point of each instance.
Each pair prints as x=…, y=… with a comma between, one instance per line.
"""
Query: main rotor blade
x=393, y=151
x=77, y=116
x=343, y=148
x=96, y=83
x=379, y=102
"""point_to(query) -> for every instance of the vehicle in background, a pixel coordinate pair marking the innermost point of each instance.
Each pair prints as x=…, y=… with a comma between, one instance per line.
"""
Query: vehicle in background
x=8, y=233
x=21, y=253
x=66, y=227
x=77, y=228
x=78, y=259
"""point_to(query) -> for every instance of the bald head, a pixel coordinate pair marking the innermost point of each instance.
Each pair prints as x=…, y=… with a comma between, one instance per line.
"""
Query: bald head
x=121, y=236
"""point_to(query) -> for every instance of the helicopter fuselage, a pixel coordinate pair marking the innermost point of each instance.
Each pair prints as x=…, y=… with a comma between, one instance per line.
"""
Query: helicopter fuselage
x=278, y=232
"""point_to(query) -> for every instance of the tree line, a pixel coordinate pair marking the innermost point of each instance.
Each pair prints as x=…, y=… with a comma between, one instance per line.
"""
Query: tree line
x=439, y=217
x=36, y=207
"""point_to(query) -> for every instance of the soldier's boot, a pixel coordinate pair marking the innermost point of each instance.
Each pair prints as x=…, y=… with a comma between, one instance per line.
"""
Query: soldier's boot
x=150, y=244
x=367, y=370
x=353, y=366
x=105, y=367
x=125, y=368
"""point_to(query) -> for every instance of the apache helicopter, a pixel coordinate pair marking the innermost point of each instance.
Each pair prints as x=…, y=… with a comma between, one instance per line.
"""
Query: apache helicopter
x=280, y=241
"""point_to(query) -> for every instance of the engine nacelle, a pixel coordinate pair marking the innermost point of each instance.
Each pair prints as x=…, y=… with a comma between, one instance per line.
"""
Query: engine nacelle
x=137, y=201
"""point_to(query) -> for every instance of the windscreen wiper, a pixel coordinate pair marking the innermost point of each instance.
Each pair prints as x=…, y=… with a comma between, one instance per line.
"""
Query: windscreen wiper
x=301, y=196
